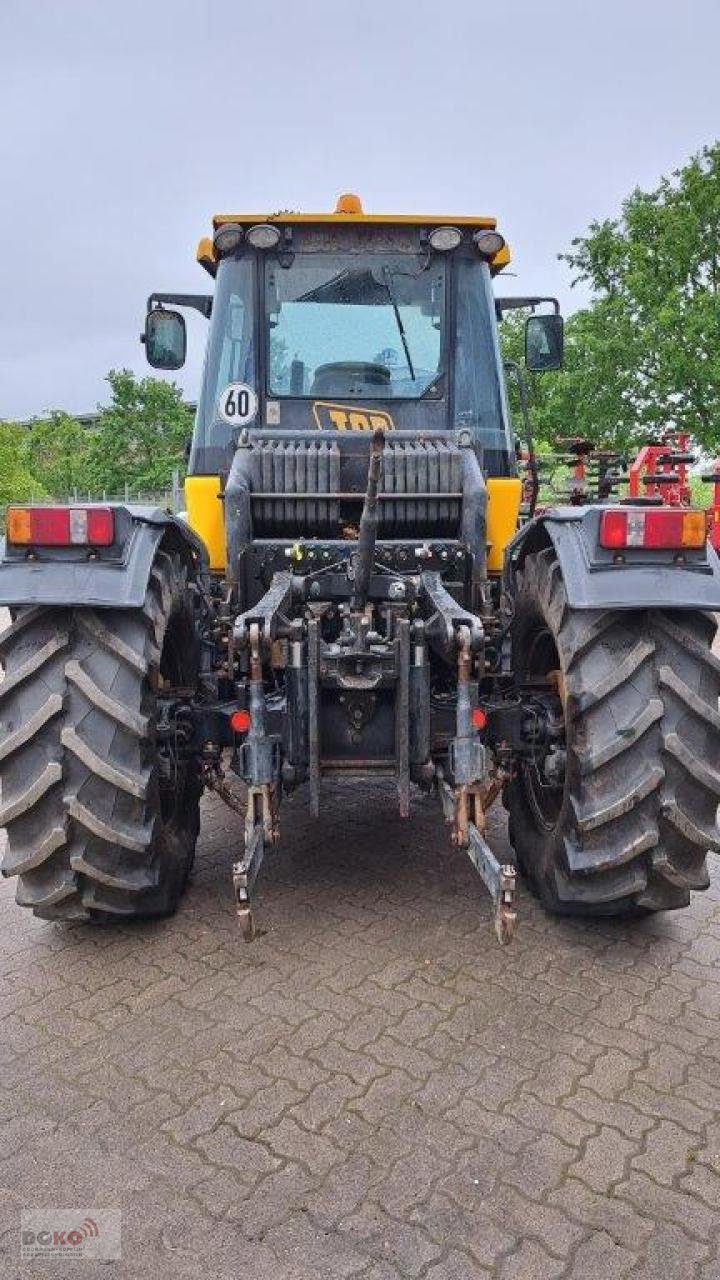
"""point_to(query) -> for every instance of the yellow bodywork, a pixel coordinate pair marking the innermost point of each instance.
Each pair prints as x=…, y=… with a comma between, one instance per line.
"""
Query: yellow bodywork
x=503, y=510
x=206, y=515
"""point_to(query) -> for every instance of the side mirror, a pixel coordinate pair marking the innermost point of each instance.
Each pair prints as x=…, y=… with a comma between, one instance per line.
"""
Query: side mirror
x=165, y=339
x=544, y=343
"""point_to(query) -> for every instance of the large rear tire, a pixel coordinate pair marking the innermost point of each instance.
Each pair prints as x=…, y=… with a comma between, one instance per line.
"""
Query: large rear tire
x=98, y=827
x=630, y=826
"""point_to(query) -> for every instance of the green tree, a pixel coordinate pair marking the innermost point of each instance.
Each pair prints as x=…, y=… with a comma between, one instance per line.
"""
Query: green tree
x=17, y=484
x=140, y=435
x=646, y=355
x=592, y=396
x=56, y=450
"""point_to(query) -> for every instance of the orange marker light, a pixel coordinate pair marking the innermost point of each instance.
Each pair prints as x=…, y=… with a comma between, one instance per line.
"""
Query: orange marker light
x=694, y=528
x=18, y=525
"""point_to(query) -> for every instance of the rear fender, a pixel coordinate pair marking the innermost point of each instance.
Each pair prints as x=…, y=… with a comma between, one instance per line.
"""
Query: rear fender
x=118, y=578
x=594, y=580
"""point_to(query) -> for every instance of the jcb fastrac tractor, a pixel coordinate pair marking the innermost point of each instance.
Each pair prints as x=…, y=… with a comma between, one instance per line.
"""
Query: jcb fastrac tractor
x=355, y=594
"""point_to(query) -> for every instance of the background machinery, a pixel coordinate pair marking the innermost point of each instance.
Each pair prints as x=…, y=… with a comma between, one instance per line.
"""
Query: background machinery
x=355, y=593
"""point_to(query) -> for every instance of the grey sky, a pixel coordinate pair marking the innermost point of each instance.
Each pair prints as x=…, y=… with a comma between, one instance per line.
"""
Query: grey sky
x=126, y=125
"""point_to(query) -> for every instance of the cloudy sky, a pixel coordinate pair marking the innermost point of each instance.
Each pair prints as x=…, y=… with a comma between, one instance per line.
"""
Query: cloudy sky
x=124, y=126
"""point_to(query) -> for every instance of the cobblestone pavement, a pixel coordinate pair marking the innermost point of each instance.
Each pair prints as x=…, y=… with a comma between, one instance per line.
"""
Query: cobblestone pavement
x=373, y=1088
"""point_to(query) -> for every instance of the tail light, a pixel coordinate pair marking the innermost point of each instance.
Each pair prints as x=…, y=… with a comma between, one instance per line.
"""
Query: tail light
x=664, y=530
x=60, y=526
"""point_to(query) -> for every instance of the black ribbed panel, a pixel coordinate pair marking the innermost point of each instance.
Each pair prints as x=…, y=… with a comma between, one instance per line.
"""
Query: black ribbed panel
x=282, y=467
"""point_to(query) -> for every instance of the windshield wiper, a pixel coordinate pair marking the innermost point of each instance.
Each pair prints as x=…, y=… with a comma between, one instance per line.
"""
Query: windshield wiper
x=398, y=318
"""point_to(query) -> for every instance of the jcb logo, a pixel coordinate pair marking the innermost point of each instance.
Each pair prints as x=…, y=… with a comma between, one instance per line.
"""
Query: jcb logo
x=342, y=417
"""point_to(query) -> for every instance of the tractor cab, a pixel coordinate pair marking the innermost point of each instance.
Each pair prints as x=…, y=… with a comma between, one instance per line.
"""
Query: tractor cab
x=352, y=322
x=342, y=323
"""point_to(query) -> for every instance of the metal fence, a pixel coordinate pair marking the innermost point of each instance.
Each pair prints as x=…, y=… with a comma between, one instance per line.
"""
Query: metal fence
x=171, y=498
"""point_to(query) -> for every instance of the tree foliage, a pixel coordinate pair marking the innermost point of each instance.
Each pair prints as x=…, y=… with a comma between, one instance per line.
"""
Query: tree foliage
x=140, y=436
x=17, y=484
x=645, y=355
x=56, y=451
x=655, y=273
x=592, y=395
x=138, y=440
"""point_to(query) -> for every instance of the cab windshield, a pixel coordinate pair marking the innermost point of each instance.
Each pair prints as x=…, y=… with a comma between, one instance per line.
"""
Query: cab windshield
x=340, y=325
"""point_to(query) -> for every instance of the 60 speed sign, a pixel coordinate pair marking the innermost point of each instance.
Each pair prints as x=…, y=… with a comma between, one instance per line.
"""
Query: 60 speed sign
x=237, y=403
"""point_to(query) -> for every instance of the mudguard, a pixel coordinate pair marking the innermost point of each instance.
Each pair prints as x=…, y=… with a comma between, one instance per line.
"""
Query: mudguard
x=118, y=578
x=595, y=579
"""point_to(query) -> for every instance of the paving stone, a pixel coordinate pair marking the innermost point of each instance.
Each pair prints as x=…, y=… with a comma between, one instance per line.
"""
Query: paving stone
x=410, y=1181
x=343, y=1190
x=669, y=1253
x=603, y=1259
x=408, y=1247
x=668, y=1153
x=530, y=1262
x=228, y=1149
x=557, y=1079
x=604, y=1160
x=553, y=1227
x=218, y=1192
x=270, y=1202
x=562, y=1121
x=543, y=1165
x=394, y=1092
x=323, y=1102
x=673, y=1107
x=304, y=1250
x=203, y=1116
x=374, y=1089
x=610, y=1075
x=665, y=1204
x=667, y=1067
x=288, y=1141
x=605, y=1111
x=457, y=1266
x=480, y=1229
x=703, y=1183
x=620, y=1220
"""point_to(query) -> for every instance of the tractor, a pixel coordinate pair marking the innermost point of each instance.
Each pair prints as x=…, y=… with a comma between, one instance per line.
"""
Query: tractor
x=353, y=592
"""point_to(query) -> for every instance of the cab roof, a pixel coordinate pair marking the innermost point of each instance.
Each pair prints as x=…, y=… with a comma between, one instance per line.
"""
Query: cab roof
x=349, y=209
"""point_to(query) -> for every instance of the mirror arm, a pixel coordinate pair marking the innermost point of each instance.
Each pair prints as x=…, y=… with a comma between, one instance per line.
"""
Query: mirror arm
x=201, y=302
x=520, y=304
x=511, y=366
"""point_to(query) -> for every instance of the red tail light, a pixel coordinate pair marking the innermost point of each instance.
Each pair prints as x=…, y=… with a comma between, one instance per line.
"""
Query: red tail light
x=667, y=530
x=60, y=526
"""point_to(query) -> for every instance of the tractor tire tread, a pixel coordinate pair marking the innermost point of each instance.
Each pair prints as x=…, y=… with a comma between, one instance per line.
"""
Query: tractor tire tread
x=639, y=813
x=79, y=776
